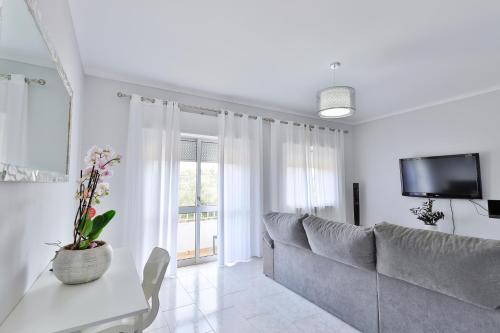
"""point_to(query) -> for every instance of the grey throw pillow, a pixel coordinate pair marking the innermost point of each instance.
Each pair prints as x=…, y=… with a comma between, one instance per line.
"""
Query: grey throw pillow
x=346, y=243
x=287, y=228
x=466, y=268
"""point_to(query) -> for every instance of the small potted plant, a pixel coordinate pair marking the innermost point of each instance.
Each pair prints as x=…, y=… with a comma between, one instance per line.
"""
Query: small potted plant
x=426, y=215
x=87, y=258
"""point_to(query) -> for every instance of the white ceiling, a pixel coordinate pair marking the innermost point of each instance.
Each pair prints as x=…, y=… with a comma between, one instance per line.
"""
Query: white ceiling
x=399, y=55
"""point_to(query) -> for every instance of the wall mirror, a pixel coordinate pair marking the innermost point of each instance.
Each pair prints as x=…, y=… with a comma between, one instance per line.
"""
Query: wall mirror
x=35, y=99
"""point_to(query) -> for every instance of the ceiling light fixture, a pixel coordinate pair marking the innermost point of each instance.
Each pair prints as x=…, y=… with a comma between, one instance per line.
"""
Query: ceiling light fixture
x=336, y=101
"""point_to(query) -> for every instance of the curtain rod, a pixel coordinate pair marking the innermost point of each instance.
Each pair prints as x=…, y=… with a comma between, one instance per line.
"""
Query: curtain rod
x=26, y=79
x=214, y=112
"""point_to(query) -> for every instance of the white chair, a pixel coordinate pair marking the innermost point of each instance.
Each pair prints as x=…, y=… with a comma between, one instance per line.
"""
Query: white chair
x=154, y=272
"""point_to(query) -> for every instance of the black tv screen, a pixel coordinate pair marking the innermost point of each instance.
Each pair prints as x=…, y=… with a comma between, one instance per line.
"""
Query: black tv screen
x=450, y=176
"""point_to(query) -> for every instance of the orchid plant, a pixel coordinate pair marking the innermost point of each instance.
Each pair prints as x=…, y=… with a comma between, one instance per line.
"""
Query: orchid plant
x=91, y=189
x=426, y=213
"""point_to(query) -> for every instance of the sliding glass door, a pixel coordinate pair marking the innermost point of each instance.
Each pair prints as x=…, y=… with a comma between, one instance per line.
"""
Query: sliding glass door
x=197, y=229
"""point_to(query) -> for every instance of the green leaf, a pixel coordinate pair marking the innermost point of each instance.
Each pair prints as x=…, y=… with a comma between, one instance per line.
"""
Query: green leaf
x=82, y=224
x=84, y=244
x=99, y=223
x=87, y=228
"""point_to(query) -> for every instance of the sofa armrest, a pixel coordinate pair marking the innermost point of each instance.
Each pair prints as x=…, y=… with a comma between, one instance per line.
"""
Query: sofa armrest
x=268, y=240
x=268, y=255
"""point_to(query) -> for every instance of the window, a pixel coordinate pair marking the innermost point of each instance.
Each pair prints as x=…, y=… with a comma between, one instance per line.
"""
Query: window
x=311, y=176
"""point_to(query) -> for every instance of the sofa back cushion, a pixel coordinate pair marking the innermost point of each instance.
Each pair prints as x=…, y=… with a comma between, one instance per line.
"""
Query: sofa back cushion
x=287, y=228
x=345, y=243
x=466, y=268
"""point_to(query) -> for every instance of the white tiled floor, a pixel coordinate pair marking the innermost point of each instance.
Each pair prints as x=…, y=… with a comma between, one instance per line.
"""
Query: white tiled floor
x=239, y=299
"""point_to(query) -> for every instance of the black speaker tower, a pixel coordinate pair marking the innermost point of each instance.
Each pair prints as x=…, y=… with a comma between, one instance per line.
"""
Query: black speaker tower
x=355, y=194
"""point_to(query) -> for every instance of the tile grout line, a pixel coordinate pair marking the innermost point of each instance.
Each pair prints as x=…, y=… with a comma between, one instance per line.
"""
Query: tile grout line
x=195, y=303
x=205, y=316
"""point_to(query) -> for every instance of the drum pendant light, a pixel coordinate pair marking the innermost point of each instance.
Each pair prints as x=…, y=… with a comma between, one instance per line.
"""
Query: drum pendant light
x=336, y=101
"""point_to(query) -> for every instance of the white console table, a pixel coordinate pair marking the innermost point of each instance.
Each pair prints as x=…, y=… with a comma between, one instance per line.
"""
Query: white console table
x=50, y=306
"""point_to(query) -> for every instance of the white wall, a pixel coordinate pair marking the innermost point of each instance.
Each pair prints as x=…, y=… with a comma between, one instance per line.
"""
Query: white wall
x=102, y=104
x=466, y=126
x=31, y=214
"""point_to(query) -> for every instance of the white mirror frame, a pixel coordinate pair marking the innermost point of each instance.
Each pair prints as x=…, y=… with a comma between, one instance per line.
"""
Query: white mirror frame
x=12, y=173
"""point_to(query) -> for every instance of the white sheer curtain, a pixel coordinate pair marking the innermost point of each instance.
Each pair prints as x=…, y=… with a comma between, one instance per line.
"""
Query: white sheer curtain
x=152, y=160
x=290, y=147
x=307, y=170
x=240, y=188
x=14, y=120
x=328, y=175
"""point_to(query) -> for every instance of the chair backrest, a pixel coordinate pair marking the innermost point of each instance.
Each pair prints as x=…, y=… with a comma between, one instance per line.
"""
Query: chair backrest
x=154, y=272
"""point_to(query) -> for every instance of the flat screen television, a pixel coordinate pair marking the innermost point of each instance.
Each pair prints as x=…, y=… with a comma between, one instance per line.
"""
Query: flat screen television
x=449, y=176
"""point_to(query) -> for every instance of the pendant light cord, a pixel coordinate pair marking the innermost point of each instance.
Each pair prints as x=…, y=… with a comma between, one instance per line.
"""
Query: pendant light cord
x=334, y=66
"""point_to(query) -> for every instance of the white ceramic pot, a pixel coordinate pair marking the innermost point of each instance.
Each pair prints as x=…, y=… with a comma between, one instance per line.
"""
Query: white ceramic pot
x=431, y=227
x=81, y=266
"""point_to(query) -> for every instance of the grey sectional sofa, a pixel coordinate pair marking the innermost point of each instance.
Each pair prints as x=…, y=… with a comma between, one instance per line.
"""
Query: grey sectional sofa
x=387, y=278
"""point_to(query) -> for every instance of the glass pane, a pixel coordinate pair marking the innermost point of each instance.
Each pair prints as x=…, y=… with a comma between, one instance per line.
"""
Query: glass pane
x=208, y=195
x=187, y=184
x=208, y=234
x=209, y=152
x=186, y=236
x=188, y=150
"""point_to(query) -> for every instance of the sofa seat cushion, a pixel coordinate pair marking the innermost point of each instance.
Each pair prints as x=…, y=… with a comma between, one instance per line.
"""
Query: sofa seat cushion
x=287, y=228
x=466, y=268
x=345, y=243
